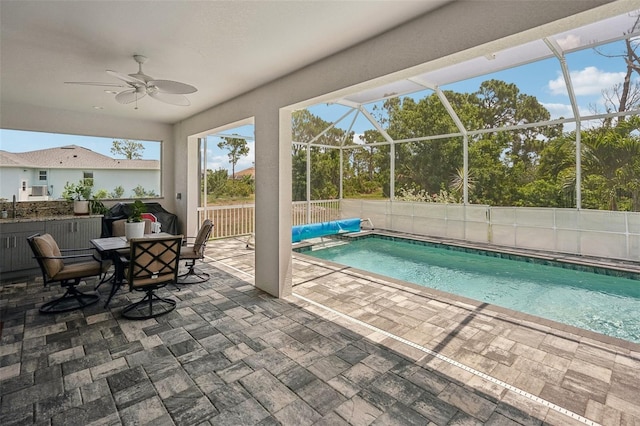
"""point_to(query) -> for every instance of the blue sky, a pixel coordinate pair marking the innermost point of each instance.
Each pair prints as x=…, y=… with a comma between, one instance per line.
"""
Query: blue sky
x=19, y=141
x=218, y=159
x=590, y=72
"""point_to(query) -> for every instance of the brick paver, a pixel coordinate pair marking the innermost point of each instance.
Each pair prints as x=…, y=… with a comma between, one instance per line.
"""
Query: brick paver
x=233, y=355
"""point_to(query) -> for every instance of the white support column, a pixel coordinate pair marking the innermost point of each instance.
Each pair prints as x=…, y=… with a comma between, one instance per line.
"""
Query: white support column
x=273, y=202
x=202, y=146
x=465, y=143
x=341, y=173
x=392, y=171
x=308, y=180
x=392, y=151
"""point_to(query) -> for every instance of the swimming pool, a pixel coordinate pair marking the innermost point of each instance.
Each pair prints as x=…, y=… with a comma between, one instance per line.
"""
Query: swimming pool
x=601, y=303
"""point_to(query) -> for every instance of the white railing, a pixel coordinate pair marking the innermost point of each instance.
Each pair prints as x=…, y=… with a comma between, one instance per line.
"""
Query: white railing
x=314, y=211
x=229, y=220
x=239, y=219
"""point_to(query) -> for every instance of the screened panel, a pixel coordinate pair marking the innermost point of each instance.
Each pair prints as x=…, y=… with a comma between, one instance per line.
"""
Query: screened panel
x=598, y=32
x=366, y=171
x=535, y=238
x=397, y=88
x=488, y=64
x=529, y=93
x=429, y=170
x=597, y=77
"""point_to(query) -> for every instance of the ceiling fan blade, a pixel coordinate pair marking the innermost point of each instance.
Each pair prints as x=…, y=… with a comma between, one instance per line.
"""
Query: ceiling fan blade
x=125, y=78
x=128, y=96
x=170, y=98
x=89, y=83
x=174, y=87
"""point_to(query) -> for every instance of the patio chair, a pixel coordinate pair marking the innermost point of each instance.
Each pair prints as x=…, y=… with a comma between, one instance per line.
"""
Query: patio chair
x=117, y=230
x=153, y=263
x=57, y=267
x=192, y=252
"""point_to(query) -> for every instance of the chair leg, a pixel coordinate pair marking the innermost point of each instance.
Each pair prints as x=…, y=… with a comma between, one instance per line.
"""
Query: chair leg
x=71, y=300
x=150, y=306
x=106, y=277
x=193, y=275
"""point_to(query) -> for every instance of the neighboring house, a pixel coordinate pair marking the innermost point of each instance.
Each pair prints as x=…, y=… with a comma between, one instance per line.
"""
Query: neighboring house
x=42, y=174
x=251, y=172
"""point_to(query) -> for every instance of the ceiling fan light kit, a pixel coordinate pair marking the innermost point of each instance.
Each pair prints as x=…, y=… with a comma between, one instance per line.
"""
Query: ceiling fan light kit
x=140, y=84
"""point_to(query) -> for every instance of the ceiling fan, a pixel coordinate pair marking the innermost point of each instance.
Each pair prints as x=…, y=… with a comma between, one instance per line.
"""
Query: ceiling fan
x=138, y=85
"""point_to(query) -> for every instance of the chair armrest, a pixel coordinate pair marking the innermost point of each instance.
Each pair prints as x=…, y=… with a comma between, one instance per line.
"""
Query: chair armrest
x=71, y=256
x=77, y=249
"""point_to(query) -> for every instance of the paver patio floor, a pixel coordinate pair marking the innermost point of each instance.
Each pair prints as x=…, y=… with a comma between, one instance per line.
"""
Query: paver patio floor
x=344, y=348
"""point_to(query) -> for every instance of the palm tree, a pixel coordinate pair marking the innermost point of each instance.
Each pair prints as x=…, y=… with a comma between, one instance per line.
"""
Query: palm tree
x=457, y=182
x=612, y=152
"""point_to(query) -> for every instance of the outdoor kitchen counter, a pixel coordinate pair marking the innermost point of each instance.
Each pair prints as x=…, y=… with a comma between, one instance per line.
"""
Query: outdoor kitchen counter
x=69, y=231
x=46, y=218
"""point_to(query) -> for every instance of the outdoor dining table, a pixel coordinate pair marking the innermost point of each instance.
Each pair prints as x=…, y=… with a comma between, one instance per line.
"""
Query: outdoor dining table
x=111, y=248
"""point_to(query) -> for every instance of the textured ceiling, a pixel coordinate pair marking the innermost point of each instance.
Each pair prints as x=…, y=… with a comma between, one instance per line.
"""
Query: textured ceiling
x=224, y=48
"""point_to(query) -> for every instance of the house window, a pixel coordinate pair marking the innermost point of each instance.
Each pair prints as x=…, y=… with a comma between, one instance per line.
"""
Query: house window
x=42, y=175
x=88, y=178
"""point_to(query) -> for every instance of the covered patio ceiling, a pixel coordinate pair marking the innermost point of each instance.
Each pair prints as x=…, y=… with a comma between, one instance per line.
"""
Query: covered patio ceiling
x=223, y=48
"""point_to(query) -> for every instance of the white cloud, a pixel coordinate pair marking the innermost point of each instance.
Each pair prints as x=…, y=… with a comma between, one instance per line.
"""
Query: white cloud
x=218, y=159
x=215, y=162
x=564, y=110
x=589, y=81
x=571, y=41
x=558, y=110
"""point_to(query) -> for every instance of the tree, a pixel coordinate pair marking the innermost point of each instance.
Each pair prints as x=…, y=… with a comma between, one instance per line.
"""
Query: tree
x=612, y=153
x=217, y=182
x=325, y=162
x=131, y=150
x=424, y=165
x=237, y=148
x=626, y=95
x=501, y=104
x=363, y=165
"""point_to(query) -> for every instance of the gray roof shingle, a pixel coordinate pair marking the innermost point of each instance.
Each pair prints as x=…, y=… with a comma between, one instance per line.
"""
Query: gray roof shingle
x=71, y=157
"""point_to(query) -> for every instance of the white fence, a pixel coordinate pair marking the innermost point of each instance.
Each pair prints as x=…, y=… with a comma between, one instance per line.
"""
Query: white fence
x=581, y=232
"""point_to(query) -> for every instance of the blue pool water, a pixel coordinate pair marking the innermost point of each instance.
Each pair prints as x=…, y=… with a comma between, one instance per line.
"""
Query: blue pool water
x=605, y=304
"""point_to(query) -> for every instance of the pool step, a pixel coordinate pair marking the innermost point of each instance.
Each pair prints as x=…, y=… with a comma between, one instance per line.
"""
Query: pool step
x=323, y=243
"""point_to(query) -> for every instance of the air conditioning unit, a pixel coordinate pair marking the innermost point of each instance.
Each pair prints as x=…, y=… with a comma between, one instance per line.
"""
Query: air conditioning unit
x=39, y=191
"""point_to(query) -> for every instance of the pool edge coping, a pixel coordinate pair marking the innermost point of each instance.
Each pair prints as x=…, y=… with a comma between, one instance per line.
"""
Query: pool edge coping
x=465, y=302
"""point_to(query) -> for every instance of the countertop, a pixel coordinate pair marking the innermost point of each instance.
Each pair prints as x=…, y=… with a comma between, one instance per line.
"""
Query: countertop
x=46, y=218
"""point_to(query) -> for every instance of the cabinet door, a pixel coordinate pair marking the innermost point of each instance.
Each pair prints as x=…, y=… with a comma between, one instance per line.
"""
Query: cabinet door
x=63, y=232
x=74, y=233
x=86, y=230
x=21, y=254
x=16, y=253
x=6, y=243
